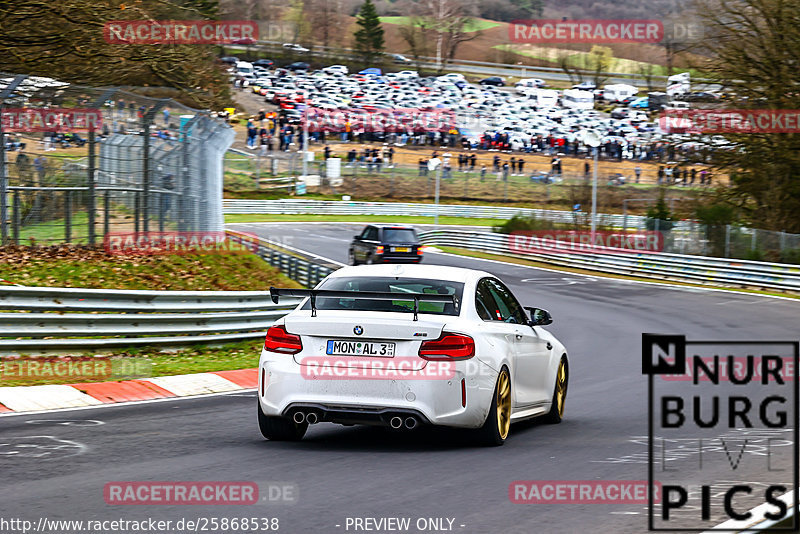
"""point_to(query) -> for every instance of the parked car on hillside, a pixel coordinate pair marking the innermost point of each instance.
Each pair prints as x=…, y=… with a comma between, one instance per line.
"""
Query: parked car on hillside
x=497, y=81
x=294, y=47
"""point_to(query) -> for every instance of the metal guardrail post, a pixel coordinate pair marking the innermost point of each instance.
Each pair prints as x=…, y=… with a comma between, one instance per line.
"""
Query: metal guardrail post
x=727, y=240
x=68, y=217
x=161, y=212
x=5, y=93
x=136, y=203
x=106, y=212
x=145, y=208
x=147, y=121
x=91, y=207
x=16, y=220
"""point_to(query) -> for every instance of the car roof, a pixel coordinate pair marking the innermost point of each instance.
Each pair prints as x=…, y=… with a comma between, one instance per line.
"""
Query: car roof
x=434, y=272
x=389, y=225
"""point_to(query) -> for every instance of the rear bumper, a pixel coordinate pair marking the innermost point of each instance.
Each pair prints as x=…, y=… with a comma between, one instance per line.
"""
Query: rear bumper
x=436, y=401
x=354, y=414
x=388, y=258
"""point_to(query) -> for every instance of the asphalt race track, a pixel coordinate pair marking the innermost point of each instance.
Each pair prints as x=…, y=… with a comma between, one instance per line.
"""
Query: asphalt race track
x=56, y=465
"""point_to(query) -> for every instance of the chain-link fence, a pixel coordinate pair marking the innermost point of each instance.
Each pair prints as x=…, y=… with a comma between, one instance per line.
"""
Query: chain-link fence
x=77, y=163
x=263, y=172
x=727, y=241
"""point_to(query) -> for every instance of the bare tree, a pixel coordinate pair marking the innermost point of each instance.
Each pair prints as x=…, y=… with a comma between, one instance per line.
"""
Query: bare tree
x=66, y=40
x=599, y=62
x=755, y=46
x=449, y=22
x=567, y=64
x=648, y=72
x=418, y=35
x=325, y=19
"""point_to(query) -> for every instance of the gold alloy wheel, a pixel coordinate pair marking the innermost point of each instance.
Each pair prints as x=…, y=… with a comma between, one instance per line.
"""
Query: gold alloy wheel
x=503, y=404
x=561, y=388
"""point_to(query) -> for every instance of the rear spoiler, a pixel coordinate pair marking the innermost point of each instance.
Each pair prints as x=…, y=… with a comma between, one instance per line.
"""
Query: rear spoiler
x=276, y=293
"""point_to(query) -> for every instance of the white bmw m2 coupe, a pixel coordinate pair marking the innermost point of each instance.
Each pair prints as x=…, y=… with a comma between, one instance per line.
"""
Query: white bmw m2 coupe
x=409, y=345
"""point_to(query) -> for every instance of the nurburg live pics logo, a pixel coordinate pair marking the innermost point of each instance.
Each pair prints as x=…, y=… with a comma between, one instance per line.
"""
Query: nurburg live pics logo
x=734, y=436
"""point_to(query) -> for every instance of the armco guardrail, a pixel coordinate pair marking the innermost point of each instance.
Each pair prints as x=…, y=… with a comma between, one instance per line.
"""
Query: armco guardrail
x=129, y=318
x=50, y=319
x=301, y=266
x=694, y=269
x=341, y=207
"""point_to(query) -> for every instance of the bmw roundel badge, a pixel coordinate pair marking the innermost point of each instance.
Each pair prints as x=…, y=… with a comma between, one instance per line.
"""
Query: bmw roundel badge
x=358, y=330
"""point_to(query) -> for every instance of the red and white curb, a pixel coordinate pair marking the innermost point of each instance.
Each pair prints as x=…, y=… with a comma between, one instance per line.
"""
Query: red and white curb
x=55, y=397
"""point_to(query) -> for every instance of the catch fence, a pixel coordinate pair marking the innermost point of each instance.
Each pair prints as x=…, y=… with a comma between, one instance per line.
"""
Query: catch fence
x=77, y=163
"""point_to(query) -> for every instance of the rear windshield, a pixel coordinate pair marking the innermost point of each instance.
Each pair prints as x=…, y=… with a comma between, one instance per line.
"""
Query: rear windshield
x=392, y=285
x=399, y=235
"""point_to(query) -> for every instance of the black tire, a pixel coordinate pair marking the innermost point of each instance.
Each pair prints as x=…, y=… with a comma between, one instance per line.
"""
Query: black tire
x=351, y=257
x=370, y=260
x=490, y=434
x=280, y=428
x=556, y=413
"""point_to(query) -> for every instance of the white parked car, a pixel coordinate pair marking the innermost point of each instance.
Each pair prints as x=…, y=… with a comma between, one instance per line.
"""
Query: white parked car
x=336, y=69
x=452, y=77
x=408, y=345
x=294, y=47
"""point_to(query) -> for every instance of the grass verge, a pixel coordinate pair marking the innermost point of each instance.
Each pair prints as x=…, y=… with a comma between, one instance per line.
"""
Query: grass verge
x=65, y=266
x=200, y=359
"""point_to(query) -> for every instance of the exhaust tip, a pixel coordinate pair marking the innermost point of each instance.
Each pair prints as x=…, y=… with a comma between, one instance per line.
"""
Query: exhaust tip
x=299, y=417
x=395, y=422
x=410, y=423
x=312, y=418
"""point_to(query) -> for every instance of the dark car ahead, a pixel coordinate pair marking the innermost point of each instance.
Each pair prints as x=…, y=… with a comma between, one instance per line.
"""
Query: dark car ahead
x=497, y=81
x=385, y=244
x=298, y=65
x=268, y=63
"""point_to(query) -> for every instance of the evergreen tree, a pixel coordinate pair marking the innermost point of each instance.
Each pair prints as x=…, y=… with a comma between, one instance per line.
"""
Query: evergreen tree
x=369, y=35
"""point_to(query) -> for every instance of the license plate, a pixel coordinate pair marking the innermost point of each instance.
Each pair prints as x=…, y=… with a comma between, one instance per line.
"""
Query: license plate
x=359, y=348
x=402, y=249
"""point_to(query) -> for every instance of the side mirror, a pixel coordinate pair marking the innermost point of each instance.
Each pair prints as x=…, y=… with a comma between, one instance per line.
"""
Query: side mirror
x=357, y=237
x=539, y=317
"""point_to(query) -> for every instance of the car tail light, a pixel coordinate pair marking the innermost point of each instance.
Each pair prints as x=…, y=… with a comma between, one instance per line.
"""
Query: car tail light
x=419, y=251
x=379, y=249
x=279, y=340
x=448, y=347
